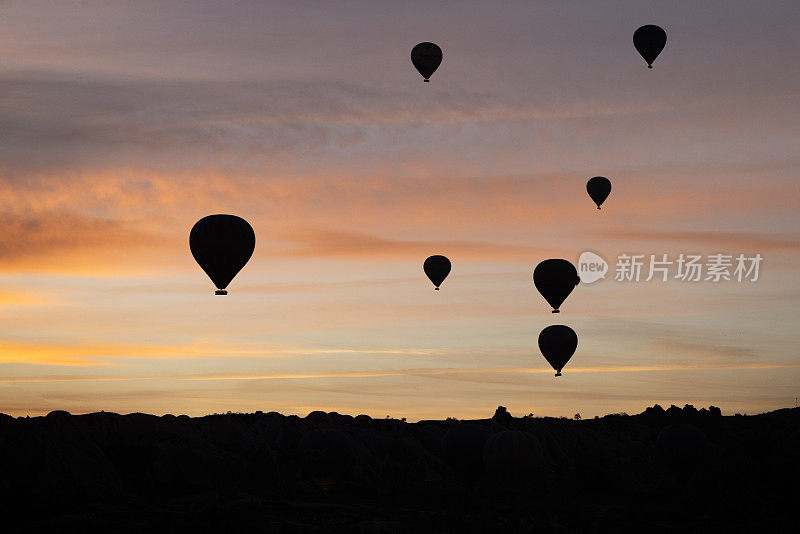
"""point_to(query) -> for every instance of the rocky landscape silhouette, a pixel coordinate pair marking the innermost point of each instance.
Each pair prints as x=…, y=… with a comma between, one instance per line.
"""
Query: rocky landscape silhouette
x=660, y=470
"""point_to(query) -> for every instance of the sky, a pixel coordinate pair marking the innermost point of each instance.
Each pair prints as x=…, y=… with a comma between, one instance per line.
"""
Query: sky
x=123, y=123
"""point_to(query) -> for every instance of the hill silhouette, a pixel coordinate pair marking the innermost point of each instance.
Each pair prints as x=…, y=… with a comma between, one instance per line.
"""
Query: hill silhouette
x=661, y=470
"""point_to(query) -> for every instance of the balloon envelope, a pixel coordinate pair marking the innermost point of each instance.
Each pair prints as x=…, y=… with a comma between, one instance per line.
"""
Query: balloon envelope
x=558, y=343
x=555, y=280
x=649, y=41
x=598, y=188
x=222, y=245
x=437, y=268
x=426, y=58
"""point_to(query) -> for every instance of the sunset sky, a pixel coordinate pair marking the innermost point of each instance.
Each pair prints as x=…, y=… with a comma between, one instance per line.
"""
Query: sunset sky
x=123, y=123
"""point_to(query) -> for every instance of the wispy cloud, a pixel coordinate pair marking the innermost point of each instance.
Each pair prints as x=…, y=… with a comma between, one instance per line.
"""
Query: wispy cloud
x=325, y=243
x=445, y=373
x=741, y=242
x=15, y=298
x=63, y=242
x=110, y=353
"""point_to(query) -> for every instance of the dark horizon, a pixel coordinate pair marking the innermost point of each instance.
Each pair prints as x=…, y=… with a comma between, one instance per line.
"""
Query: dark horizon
x=684, y=469
x=122, y=126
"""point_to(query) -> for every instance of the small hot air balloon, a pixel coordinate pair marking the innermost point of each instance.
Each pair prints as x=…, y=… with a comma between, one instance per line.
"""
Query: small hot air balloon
x=436, y=269
x=558, y=343
x=598, y=188
x=649, y=41
x=555, y=280
x=222, y=245
x=426, y=58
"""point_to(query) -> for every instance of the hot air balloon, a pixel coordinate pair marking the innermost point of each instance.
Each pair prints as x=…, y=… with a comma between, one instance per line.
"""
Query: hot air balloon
x=558, y=343
x=598, y=188
x=426, y=58
x=222, y=245
x=649, y=41
x=437, y=268
x=555, y=280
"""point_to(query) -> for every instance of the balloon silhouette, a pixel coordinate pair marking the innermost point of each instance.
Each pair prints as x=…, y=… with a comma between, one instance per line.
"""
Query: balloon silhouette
x=436, y=269
x=222, y=245
x=555, y=280
x=598, y=188
x=558, y=343
x=426, y=58
x=649, y=41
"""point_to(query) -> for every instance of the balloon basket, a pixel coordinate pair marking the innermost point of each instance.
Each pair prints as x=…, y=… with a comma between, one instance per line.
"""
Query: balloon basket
x=649, y=66
x=558, y=373
x=556, y=311
x=436, y=289
x=220, y=292
x=426, y=81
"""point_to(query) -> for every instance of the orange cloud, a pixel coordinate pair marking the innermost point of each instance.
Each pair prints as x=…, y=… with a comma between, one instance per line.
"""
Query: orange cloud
x=67, y=243
x=740, y=241
x=13, y=299
x=497, y=370
x=323, y=243
x=117, y=222
x=411, y=193
x=454, y=373
x=100, y=353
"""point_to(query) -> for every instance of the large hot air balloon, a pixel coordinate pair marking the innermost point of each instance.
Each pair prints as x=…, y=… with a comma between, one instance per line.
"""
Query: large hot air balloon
x=437, y=268
x=555, y=280
x=558, y=343
x=222, y=245
x=426, y=58
x=598, y=188
x=649, y=41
